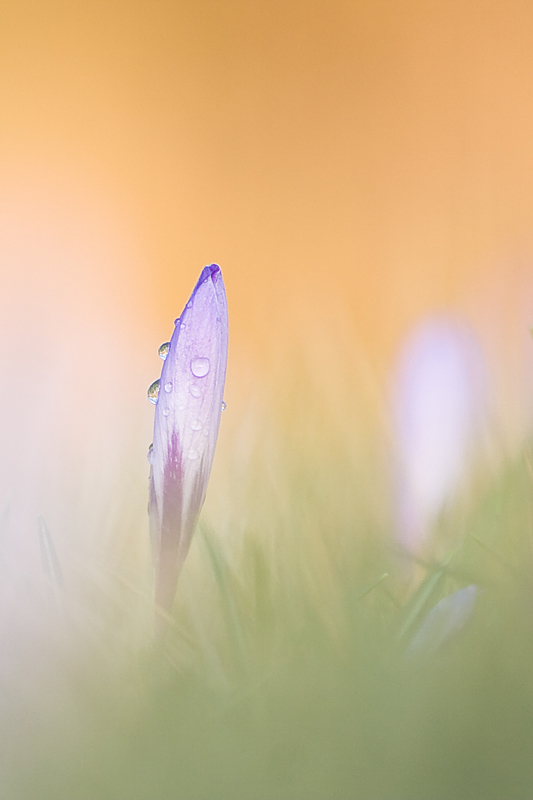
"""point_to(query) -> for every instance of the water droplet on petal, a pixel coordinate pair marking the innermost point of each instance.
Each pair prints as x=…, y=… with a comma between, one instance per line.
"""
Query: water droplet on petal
x=150, y=454
x=193, y=455
x=163, y=350
x=166, y=412
x=168, y=386
x=176, y=320
x=200, y=367
x=224, y=405
x=196, y=425
x=189, y=304
x=183, y=326
x=195, y=391
x=153, y=391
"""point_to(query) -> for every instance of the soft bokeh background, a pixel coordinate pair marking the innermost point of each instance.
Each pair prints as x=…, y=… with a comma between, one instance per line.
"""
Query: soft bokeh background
x=362, y=159
x=354, y=167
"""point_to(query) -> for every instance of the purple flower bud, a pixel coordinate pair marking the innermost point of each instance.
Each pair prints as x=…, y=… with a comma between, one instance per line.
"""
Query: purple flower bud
x=187, y=417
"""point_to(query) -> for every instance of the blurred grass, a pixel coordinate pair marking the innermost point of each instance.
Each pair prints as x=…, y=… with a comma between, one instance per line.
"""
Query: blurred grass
x=284, y=673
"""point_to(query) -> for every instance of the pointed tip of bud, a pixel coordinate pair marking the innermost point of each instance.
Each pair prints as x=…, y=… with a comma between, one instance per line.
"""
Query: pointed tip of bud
x=212, y=271
x=209, y=270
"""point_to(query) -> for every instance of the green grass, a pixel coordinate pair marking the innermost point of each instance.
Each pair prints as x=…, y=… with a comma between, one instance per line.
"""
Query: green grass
x=284, y=675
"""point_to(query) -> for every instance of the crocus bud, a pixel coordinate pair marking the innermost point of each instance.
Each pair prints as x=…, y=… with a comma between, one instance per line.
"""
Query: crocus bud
x=187, y=416
x=438, y=405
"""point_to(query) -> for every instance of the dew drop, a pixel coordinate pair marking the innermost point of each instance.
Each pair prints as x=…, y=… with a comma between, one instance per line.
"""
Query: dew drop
x=176, y=320
x=163, y=350
x=166, y=412
x=196, y=425
x=195, y=391
x=200, y=367
x=193, y=455
x=153, y=391
x=168, y=387
x=183, y=326
x=189, y=304
x=150, y=454
x=224, y=405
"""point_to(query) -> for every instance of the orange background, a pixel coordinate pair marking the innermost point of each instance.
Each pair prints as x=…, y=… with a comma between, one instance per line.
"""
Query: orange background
x=363, y=161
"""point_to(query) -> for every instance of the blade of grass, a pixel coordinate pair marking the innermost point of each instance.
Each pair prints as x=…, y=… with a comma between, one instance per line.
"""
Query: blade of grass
x=418, y=602
x=367, y=588
x=220, y=571
x=498, y=557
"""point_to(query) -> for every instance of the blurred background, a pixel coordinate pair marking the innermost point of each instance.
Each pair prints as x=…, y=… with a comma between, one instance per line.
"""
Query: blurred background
x=368, y=162
x=354, y=167
x=358, y=168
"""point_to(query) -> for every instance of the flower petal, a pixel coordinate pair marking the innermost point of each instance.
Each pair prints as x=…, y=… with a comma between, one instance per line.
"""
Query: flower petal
x=187, y=418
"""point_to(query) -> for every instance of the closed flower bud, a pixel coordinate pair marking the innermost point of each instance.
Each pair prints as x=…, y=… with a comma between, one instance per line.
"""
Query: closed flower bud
x=187, y=417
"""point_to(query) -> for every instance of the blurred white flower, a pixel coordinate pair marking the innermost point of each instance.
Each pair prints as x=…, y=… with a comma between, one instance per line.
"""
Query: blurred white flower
x=437, y=405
